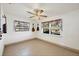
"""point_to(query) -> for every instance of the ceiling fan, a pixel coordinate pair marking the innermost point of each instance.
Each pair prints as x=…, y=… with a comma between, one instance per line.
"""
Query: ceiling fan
x=37, y=13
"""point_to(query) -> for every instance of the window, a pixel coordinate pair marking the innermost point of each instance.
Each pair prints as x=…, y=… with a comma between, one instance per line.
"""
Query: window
x=21, y=26
x=52, y=27
x=45, y=27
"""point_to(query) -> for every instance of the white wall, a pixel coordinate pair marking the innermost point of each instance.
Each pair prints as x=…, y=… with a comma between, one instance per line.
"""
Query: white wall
x=70, y=33
x=11, y=36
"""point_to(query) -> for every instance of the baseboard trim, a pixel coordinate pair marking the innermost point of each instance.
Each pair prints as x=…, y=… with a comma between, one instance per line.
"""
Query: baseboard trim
x=18, y=42
x=65, y=47
x=15, y=44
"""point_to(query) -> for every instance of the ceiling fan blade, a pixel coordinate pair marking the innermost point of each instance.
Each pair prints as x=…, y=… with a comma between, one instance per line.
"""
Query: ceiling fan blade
x=31, y=16
x=43, y=15
x=30, y=12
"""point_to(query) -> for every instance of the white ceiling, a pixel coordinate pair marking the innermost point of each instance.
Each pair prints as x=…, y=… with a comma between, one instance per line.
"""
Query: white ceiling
x=59, y=8
x=51, y=9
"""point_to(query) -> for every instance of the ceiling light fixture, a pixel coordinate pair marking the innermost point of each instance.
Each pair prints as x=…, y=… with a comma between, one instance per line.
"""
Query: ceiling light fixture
x=37, y=13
